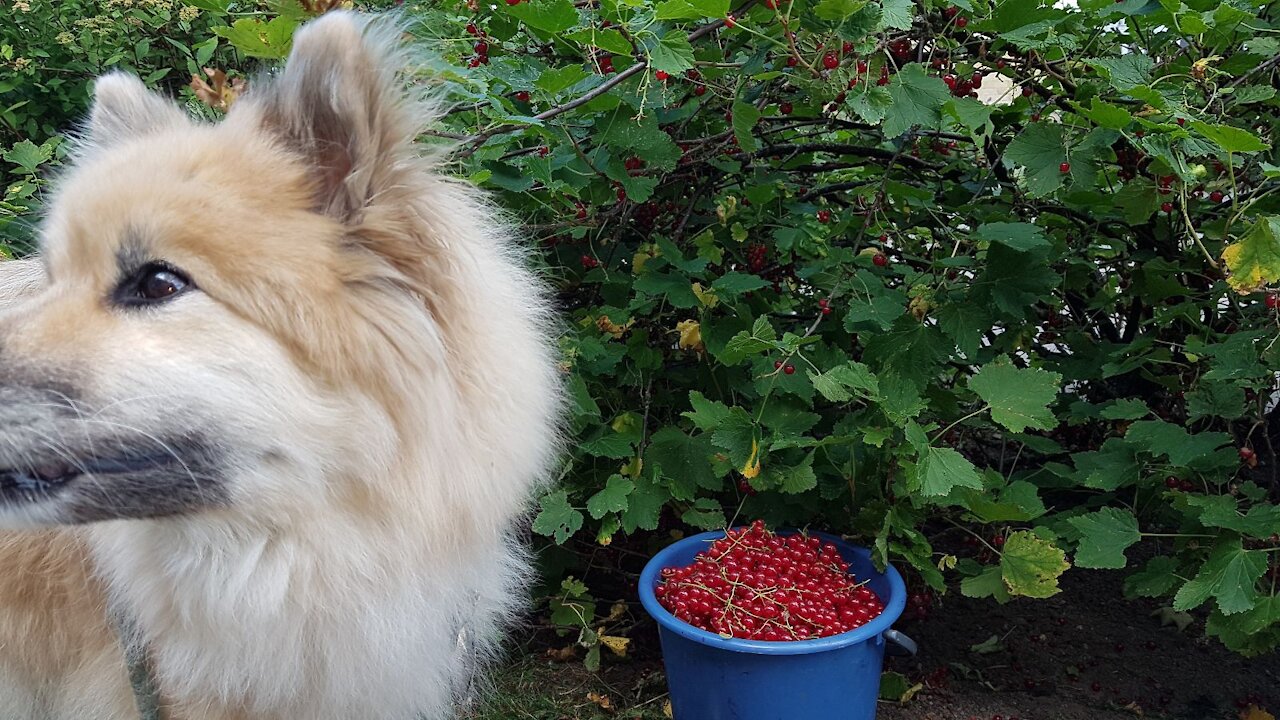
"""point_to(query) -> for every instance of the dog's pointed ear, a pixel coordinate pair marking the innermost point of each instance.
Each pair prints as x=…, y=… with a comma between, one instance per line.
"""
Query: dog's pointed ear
x=338, y=104
x=124, y=108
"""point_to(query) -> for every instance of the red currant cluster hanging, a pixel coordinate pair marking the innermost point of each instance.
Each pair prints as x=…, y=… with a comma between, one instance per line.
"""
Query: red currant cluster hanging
x=758, y=585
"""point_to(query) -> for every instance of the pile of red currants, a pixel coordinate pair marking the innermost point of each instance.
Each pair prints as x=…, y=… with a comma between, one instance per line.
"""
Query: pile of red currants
x=756, y=584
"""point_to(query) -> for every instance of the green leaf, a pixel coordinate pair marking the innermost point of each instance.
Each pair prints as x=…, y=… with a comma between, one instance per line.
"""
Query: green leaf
x=610, y=445
x=644, y=507
x=705, y=514
x=559, y=79
x=745, y=117
x=1215, y=399
x=1125, y=409
x=1253, y=632
x=28, y=156
x=551, y=16
x=1254, y=261
x=605, y=39
x=761, y=338
x=692, y=9
x=837, y=10
x=255, y=38
x=1018, y=502
x=673, y=53
x=1019, y=397
x=895, y=687
x=881, y=310
x=1222, y=511
x=836, y=384
x=899, y=399
x=973, y=114
x=965, y=323
x=1039, y=149
x=706, y=414
x=988, y=583
x=1230, y=575
x=871, y=104
x=1031, y=566
x=1126, y=71
x=1111, y=467
x=917, y=101
x=898, y=14
x=1104, y=114
x=613, y=498
x=736, y=283
x=1157, y=578
x=1183, y=449
x=558, y=518
x=940, y=470
x=1104, y=536
x=1017, y=235
x=676, y=287
x=685, y=462
x=797, y=479
x=1231, y=139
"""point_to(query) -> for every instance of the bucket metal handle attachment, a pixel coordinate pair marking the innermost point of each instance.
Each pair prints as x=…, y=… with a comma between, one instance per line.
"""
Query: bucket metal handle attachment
x=899, y=645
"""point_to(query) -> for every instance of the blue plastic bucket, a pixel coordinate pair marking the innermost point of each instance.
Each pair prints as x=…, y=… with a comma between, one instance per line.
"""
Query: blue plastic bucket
x=831, y=678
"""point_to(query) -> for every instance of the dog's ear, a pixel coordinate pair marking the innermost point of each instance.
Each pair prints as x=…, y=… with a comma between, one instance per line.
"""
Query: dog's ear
x=338, y=104
x=124, y=108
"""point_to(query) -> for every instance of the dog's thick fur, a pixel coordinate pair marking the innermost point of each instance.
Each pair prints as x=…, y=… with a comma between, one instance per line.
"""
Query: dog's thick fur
x=299, y=476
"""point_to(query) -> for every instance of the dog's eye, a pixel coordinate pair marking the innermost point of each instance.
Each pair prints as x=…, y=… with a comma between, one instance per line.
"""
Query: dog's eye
x=155, y=283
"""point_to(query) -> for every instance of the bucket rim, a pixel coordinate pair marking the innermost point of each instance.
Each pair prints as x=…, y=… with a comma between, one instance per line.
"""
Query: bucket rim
x=893, y=608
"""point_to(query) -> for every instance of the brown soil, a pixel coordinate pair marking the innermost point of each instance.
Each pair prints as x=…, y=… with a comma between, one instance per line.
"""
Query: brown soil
x=1086, y=654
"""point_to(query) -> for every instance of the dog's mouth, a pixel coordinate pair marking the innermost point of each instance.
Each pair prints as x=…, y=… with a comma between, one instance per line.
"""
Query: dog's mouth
x=40, y=480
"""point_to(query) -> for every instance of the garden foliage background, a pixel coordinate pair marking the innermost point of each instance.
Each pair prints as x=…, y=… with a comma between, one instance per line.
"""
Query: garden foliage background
x=808, y=276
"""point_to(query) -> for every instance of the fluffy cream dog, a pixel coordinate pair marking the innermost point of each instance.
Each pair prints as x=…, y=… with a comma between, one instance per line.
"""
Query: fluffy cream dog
x=275, y=392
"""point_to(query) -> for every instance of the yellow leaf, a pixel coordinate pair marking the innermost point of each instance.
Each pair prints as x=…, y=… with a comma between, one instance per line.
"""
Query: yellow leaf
x=666, y=708
x=617, y=611
x=919, y=307
x=618, y=645
x=708, y=298
x=752, y=467
x=1254, y=261
x=690, y=335
x=606, y=325
x=1253, y=712
x=632, y=468
x=602, y=700
x=643, y=255
x=1199, y=67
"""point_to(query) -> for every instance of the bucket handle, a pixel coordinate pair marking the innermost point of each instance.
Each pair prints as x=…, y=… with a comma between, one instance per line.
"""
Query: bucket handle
x=899, y=645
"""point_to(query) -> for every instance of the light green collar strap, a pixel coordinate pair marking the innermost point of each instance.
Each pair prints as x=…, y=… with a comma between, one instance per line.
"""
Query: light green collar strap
x=141, y=677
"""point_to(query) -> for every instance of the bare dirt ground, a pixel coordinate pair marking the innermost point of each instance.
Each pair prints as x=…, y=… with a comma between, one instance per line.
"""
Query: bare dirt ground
x=1085, y=654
